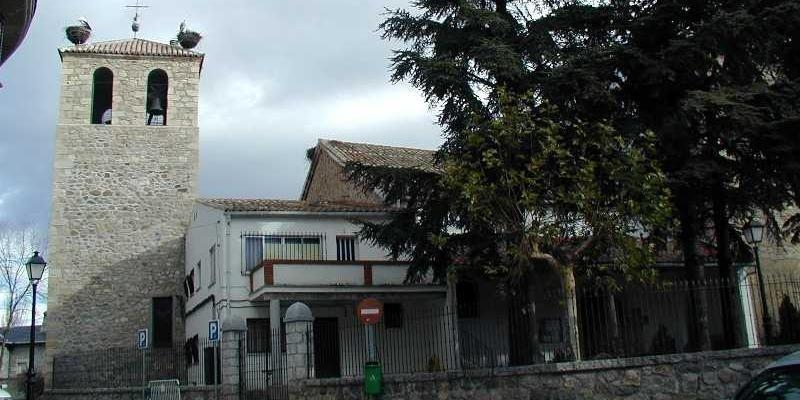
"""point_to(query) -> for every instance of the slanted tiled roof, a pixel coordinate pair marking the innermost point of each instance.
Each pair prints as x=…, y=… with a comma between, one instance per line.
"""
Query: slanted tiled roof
x=131, y=47
x=292, y=205
x=381, y=156
x=22, y=335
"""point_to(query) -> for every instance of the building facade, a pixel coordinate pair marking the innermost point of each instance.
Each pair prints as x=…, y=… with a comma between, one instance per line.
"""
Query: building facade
x=255, y=258
x=124, y=180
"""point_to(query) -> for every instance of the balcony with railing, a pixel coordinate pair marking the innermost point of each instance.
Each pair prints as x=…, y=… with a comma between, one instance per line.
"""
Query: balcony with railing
x=299, y=263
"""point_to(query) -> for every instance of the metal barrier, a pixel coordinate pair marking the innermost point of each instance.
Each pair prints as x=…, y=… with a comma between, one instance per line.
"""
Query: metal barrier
x=167, y=389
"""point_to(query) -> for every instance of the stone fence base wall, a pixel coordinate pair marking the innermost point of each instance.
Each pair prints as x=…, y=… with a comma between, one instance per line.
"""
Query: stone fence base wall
x=130, y=393
x=707, y=375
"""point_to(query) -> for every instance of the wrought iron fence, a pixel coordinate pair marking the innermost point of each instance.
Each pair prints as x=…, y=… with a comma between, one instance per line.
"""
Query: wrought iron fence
x=628, y=321
x=265, y=374
x=590, y=323
x=191, y=363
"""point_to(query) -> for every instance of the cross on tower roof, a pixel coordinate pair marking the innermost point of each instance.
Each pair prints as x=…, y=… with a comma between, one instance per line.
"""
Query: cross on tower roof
x=135, y=24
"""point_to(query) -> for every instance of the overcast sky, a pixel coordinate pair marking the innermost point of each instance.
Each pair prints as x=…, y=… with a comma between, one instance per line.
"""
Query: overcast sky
x=278, y=74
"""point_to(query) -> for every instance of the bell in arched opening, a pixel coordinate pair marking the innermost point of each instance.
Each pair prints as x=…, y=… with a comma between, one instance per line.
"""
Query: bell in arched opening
x=157, y=98
x=155, y=111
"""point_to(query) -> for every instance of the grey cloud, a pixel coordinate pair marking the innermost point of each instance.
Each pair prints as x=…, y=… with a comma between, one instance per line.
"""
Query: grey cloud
x=294, y=58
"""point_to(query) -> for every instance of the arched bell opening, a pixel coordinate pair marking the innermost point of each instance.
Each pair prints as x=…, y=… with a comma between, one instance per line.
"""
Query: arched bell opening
x=102, y=94
x=156, y=107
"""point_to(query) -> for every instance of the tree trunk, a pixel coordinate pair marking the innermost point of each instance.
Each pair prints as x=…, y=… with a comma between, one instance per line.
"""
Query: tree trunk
x=729, y=298
x=501, y=6
x=690, y=229
x=571, y=313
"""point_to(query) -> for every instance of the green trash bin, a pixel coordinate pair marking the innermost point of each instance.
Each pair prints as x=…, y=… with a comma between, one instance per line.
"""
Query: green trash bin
x=373, y=378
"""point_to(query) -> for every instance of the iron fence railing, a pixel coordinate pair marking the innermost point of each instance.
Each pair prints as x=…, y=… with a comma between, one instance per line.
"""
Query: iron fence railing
x=588, y=323
x=191, y=363
x=627, y=321
x=265, y=374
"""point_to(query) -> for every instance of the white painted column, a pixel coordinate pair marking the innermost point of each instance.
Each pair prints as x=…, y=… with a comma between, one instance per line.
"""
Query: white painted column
x=748, y=308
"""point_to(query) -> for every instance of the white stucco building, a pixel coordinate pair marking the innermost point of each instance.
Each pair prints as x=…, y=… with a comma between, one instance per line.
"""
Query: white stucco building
x=255, y=257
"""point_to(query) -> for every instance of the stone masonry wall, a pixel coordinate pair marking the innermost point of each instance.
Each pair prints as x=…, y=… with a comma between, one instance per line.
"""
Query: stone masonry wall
x=710, y=375
x=122, y=199
x=330, y=184
x=129, y=88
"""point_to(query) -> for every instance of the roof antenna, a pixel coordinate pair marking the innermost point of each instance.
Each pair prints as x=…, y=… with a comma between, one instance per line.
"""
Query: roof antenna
x=135, y=24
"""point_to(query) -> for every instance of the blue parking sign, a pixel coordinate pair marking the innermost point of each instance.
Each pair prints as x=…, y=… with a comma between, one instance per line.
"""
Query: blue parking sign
x=142, y=340
x=213, y=330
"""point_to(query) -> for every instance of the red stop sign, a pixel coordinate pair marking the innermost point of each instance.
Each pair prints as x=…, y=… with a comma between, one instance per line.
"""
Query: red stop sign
x=369, y=311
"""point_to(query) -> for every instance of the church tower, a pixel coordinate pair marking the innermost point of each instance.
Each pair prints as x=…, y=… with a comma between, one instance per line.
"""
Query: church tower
x=125, y=177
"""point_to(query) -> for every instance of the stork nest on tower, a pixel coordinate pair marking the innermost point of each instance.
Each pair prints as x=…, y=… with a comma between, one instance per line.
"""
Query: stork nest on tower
x=188, y=39
x=78, y=34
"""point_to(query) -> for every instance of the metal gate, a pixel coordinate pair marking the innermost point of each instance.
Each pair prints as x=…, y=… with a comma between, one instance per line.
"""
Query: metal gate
x=264, y=362
x=167, y=389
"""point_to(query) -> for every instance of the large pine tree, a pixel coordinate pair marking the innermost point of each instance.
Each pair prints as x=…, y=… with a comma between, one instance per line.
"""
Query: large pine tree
x=572, y=126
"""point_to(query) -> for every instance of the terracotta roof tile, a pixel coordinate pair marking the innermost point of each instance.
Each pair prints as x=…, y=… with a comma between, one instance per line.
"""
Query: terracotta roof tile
x=292, y=205
x=381, y=156
x=131, y=47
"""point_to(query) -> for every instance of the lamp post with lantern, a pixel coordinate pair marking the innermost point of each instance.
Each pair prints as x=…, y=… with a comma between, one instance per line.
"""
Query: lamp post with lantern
x=753, y=234
x=35, y=267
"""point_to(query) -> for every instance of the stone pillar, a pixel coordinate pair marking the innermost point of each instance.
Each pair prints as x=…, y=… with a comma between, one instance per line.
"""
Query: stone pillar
x=233, y=342
x=275, y=335
x=299, y=342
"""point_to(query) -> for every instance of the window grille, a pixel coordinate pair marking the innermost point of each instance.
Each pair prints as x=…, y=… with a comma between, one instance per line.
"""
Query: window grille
x=345, y=248
x=281, y=246
x=258, y=337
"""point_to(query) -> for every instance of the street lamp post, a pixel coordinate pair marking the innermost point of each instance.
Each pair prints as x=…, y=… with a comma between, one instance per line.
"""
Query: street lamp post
x=753, y=234
x=35, y=267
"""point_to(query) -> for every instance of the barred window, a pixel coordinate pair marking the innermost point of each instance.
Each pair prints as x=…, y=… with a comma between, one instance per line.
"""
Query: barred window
x=258, y=248
x=301, y=248
x=253, y=251
x=258, y=335
x=345, y=248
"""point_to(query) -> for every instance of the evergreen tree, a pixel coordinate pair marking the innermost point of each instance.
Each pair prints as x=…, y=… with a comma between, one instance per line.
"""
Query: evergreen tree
x=572, y=126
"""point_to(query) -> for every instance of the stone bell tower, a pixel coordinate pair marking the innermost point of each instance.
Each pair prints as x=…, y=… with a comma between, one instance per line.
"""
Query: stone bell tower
x=125, y=177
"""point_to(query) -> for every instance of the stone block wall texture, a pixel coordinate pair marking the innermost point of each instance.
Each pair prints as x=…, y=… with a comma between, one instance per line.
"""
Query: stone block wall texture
x=298, y=351
x=232, y=351
x=129, y=88
x=329, y=183
x=122, y=199
x=709, y=375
